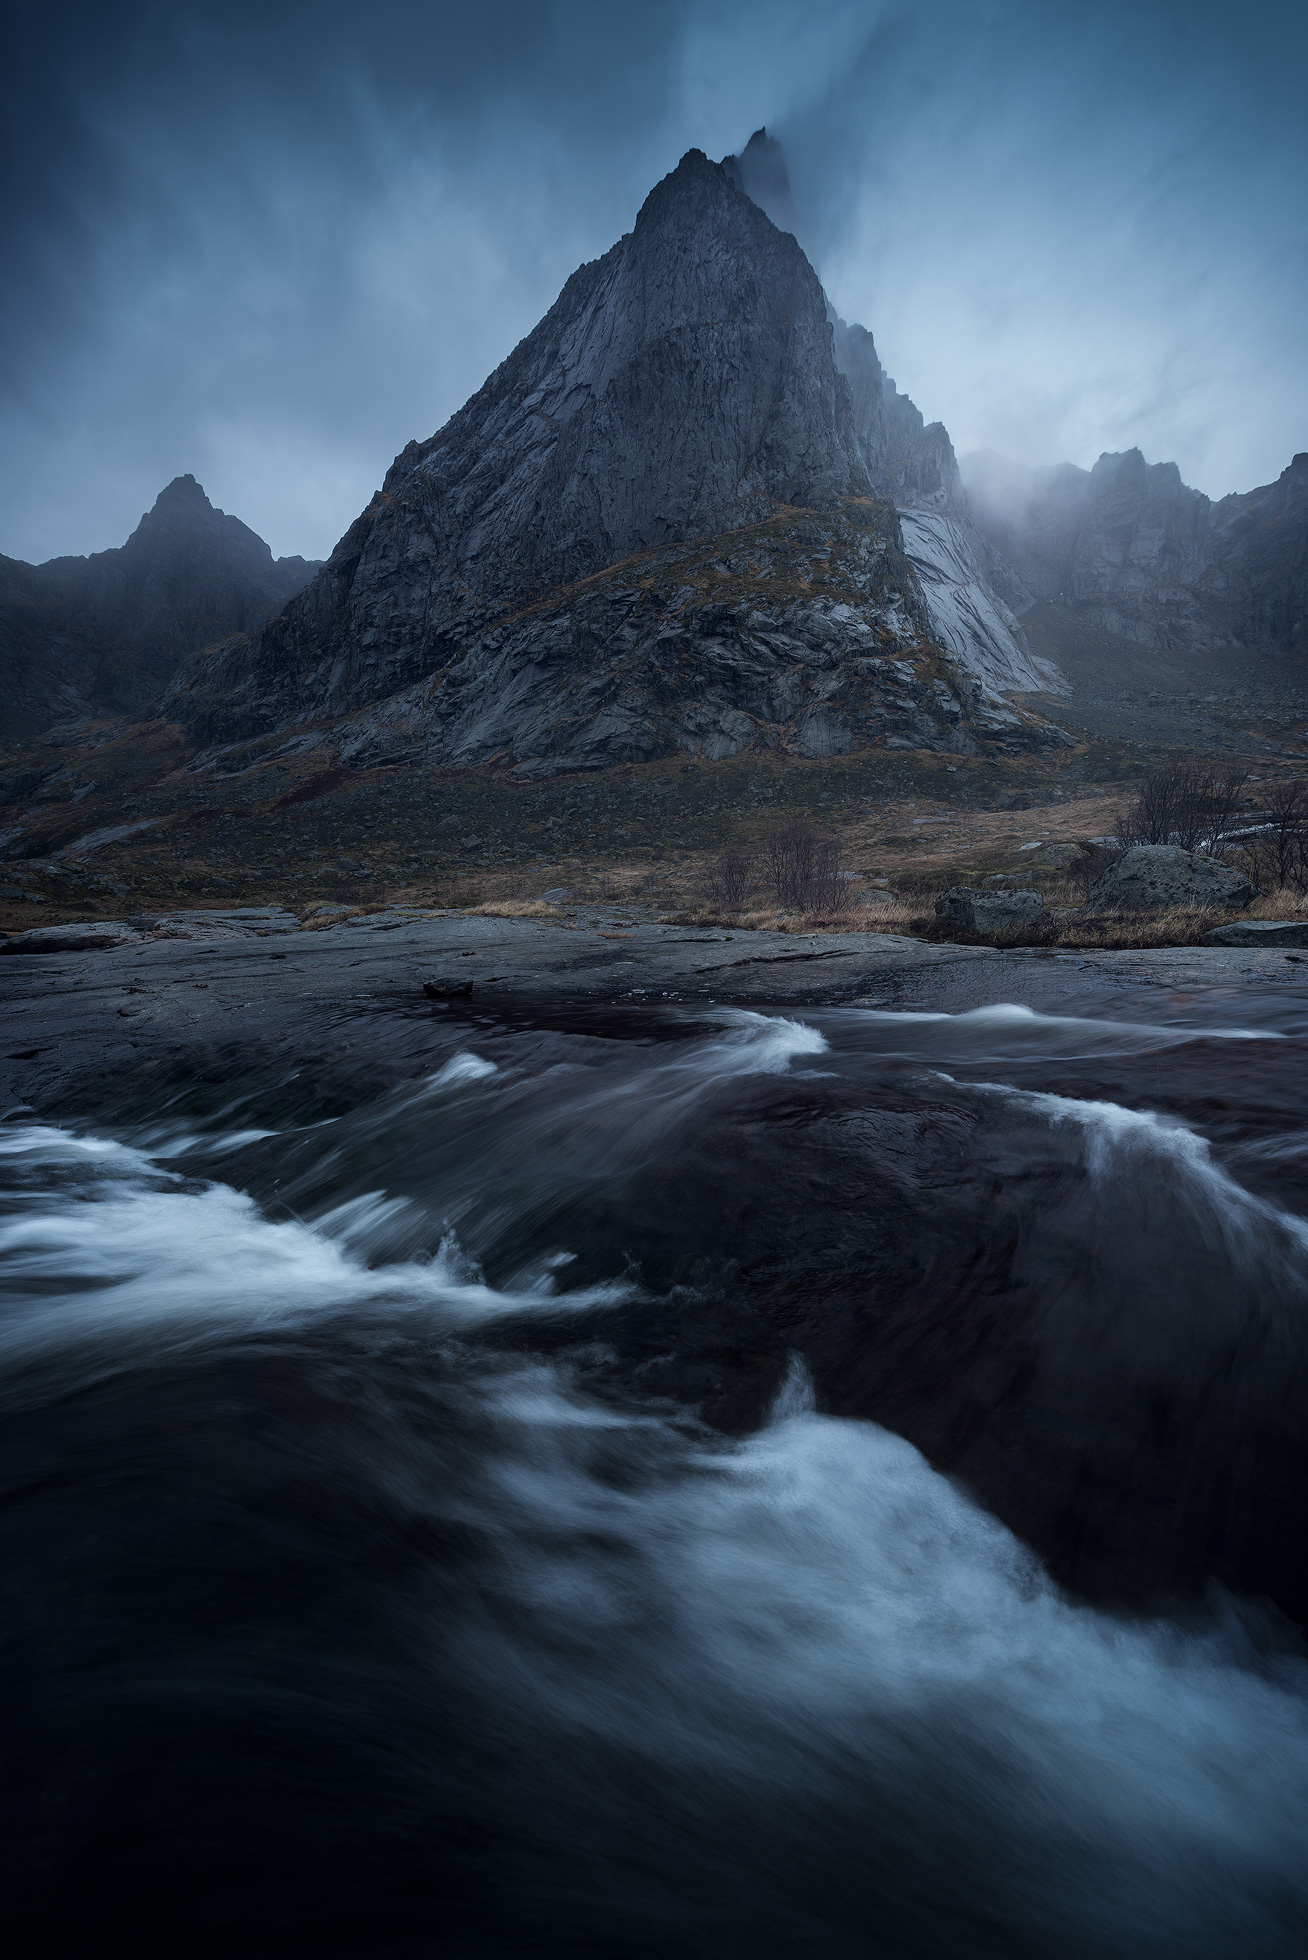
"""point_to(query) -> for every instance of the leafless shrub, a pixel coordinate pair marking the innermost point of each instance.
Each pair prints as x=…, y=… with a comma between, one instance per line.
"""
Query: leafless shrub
x=1279, y=850
x=1285, y=837
x=1189, y=804
x=731, y=879
x=804, y=869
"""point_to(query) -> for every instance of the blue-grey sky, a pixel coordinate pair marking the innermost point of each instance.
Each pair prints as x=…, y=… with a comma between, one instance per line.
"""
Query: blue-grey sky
x=268, y=243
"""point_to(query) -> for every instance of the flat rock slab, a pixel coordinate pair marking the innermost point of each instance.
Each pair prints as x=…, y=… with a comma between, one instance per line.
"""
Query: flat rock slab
x=204, y=923
x=97, y=938
x=1260, y=932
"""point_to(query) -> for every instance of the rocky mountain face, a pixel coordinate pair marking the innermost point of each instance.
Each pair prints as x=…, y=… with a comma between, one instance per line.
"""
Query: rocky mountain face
x=103, y=635
x=529, y=585
x=967, y=587
x=679, y=386
x=806, y=633
x=1131, y=549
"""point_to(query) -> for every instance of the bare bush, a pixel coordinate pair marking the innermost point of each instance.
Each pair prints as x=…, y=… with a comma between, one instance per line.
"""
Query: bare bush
x=805, y=870
x=1274, y=853
x=731, y=879
x=1189, y=804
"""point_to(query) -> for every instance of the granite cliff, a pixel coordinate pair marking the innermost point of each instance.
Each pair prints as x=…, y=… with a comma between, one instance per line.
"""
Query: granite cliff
x=1131, y=549
x=684, y=388
x=103, y=635
x=968, y=590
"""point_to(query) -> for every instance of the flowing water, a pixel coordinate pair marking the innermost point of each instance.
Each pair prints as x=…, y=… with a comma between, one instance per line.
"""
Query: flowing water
x=482, y=1516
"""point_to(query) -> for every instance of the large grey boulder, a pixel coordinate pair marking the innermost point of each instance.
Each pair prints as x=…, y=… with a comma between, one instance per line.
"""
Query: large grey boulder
x=1260, y=932
x=988, y=911
x=1155, y=877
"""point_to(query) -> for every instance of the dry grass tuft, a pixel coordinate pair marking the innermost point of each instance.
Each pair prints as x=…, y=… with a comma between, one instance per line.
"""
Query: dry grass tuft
x=513, y=908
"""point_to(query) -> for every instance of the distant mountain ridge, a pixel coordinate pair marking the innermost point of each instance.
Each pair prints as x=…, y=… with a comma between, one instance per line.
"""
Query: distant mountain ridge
x=1131, y=549
x=104, y=635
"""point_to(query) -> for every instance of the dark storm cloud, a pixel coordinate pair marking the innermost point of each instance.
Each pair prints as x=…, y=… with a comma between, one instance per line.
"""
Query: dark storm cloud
x=269, y=244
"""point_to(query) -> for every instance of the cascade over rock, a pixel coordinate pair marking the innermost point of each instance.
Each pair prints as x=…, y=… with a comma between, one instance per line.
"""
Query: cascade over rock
x=102, y=635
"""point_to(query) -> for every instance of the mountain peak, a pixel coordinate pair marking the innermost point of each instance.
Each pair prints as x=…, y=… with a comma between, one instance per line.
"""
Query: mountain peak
x=760, y=172
x=182, y=490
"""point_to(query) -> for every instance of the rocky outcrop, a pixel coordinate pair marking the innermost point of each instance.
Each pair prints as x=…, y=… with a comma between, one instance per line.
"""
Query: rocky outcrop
x=805, y=634
x=1260, y=932
x=1156, y=876
x=988, y=911
x=103, y=635
x=1133, y=550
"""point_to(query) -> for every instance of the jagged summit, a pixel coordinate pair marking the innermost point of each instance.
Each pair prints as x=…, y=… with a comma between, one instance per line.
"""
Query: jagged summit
x=683, y=387
x=680, y=385
x=760, y=171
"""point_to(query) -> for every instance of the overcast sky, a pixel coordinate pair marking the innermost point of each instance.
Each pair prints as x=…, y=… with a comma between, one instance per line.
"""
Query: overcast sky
x=269, y=243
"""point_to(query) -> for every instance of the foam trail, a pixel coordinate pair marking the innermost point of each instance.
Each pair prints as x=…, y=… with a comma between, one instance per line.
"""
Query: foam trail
x=120, y=1256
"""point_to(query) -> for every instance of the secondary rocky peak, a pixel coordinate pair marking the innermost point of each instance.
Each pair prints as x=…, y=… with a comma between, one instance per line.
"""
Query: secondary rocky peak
x=183, y=520
x=102, y=635
x=1133, y=550
x=760, y=172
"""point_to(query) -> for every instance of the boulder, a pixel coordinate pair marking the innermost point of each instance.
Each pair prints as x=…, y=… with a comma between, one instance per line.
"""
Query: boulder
x=1059, y=857
x=1260, y=932
x=1153, y=877
x=443, y=987
x=988, y=911
x=72, y=939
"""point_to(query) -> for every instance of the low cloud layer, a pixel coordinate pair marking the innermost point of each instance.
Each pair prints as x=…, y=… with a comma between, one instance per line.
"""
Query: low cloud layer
x=269, y=246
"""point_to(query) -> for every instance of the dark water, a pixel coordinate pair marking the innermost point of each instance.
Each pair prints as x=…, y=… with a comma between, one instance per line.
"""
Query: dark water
x=481, y=1516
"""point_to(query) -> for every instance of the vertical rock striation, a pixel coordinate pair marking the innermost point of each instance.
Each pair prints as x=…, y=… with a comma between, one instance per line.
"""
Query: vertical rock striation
x=967, y=588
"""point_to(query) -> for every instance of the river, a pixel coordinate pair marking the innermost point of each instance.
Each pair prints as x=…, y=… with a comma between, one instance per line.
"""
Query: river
x=670, y=1482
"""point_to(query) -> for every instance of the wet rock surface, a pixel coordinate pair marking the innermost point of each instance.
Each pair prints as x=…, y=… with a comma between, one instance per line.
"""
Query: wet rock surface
x=900, y=1234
